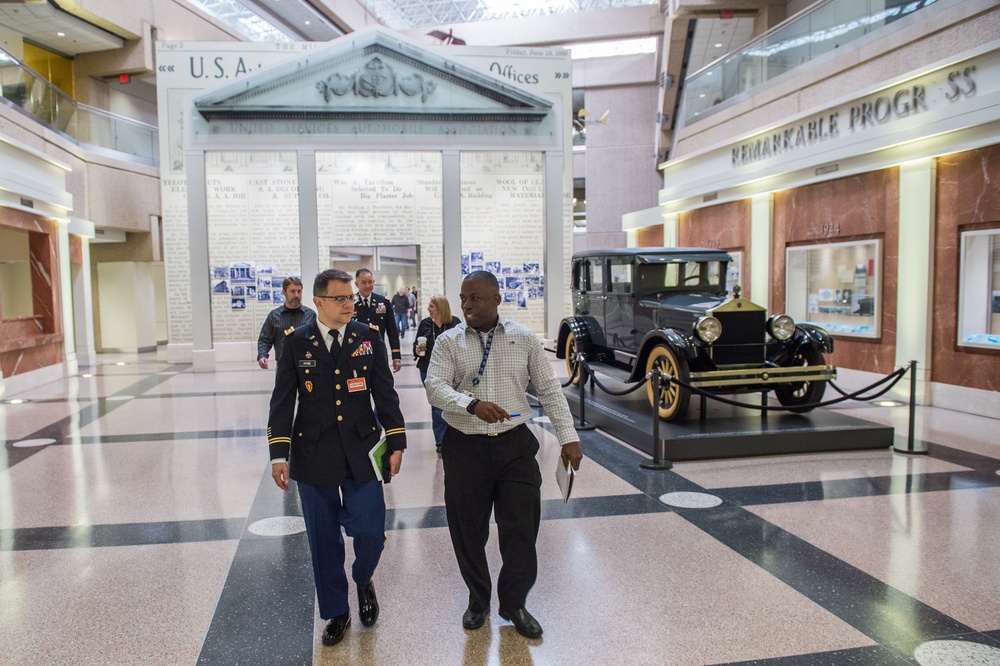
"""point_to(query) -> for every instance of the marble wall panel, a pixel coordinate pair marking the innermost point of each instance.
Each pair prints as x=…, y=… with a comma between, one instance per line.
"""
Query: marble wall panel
x=650, y=236
x=726, y=226
x=76, y=250
x=967, y=199
x=30, y=343
x=848, y=209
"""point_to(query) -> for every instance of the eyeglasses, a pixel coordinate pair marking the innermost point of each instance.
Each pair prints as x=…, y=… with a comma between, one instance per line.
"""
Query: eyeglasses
x=341, y=300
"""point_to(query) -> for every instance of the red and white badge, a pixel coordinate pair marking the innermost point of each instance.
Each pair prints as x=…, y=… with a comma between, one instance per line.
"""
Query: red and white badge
x=356, y=384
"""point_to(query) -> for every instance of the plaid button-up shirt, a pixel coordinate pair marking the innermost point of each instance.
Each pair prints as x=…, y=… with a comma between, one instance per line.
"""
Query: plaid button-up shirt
x=279, y=320
x=516, y=357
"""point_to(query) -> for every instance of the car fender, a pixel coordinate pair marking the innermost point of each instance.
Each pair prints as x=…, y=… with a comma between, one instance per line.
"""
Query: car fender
x=809, y=334
x=672, y=338
x=578, y=327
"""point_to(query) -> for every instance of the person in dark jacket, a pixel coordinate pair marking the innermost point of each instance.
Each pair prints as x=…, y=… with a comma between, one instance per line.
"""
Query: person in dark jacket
x=439, y=321
x=320, y=430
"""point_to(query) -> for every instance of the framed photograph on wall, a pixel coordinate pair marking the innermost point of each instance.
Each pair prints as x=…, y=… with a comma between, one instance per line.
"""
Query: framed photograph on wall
x=836, y=286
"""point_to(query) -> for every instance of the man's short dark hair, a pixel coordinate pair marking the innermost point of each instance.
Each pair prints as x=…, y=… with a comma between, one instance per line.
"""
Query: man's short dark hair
x=290, y=280
x=484, y=276
x=360, y=271
x=323, y=279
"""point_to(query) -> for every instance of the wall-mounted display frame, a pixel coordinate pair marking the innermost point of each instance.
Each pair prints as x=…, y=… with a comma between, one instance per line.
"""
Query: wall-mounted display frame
x=979, y=289
x=836, y=286
x=734, y=274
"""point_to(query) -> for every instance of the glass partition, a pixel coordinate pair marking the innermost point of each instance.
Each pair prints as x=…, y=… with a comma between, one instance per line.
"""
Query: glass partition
x=821, y=29
x=979, y=290
x=85, y=124
x=835, y=286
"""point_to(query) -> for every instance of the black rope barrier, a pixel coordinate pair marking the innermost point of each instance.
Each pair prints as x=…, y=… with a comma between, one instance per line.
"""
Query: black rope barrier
x=638, y=385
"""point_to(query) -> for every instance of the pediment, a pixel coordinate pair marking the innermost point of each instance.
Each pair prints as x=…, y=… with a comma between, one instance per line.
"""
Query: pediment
x=373, y=74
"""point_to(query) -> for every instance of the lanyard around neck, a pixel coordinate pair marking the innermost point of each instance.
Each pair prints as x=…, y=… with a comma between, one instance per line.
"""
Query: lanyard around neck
x=486, y=353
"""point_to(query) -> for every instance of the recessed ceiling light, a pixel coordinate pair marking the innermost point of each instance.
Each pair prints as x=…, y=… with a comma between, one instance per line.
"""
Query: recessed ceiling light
x=718, y=46
x=307, y=22
x=701, y=95
x=87, y=375
x=61, y=34
x=120, y=363
x=709, y=73
x=16, y=401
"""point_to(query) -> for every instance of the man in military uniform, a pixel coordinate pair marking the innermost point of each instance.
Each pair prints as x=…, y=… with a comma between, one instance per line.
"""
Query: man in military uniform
x=374, y=310
x=336, y=368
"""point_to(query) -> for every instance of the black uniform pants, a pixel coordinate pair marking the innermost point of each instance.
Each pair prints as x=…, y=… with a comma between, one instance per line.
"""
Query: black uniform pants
x=484, y=474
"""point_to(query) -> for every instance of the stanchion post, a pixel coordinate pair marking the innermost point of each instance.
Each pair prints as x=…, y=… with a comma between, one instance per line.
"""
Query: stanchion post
x=911, y=445
x=659, y=461
x=580, y=382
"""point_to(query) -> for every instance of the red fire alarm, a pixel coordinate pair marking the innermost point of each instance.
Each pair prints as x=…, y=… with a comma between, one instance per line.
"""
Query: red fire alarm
x=726, y=13
x=124, y=78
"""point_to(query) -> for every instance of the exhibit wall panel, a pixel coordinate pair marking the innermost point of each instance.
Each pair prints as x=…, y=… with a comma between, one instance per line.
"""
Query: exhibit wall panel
x=380, y=198
x=967, y=200
x=855, y=209
x=650, y=236
x=727, y=227
x=503, y=229
x=253, y=237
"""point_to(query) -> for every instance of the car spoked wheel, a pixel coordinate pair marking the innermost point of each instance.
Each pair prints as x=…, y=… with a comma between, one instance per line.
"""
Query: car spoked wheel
x=802, y=393
x=672, y=401
x=571, y=362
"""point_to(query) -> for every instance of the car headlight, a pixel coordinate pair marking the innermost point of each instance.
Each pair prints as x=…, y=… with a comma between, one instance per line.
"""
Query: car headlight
x=781, y=327
x=708, y=329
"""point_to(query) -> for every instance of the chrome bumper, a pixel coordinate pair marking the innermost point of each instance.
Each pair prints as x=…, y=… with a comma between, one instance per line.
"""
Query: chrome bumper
x=763, y=376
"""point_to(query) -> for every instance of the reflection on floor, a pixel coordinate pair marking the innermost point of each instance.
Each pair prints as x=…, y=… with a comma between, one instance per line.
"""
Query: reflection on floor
x=139, y=524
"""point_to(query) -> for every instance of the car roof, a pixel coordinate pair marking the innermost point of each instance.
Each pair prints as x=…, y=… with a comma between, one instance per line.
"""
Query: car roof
x=652, y=255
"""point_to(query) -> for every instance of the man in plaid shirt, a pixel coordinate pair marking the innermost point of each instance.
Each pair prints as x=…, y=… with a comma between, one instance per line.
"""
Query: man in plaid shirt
x=282, y=321
x=478, y=375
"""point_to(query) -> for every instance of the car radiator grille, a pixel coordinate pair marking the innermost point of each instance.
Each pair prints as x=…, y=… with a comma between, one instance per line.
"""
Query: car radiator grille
x=742, y=340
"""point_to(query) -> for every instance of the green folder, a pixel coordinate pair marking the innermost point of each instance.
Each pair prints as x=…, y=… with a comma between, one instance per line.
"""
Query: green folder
x=378, y=456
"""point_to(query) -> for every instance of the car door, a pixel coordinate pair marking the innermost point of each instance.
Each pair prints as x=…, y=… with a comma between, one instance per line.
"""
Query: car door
x=588, y=295
x=619, y=324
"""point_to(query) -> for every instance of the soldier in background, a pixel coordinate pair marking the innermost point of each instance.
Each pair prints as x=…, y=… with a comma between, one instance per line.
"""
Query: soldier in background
x=374, y=310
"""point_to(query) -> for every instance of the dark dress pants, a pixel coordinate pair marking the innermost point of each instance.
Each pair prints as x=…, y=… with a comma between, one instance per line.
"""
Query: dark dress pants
x=358, y=508
x=498, y=474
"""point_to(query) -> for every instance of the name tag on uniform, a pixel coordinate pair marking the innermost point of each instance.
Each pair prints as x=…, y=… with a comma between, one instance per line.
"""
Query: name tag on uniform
x=307, y=364
x=356, y=384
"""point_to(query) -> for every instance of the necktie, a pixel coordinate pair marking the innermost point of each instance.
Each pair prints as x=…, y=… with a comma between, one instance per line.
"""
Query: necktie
x=335, y=343
x=366, y=304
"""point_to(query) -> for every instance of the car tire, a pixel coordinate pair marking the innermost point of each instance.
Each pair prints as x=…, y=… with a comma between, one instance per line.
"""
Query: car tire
x=802, y=393
x=673, y=400
x=571, y=350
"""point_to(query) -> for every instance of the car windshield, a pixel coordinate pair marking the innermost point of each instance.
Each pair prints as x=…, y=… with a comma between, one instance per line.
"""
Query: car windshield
x=681, y=276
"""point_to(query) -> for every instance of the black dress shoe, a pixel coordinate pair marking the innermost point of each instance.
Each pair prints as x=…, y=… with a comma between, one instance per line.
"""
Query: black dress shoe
x=525, y=624
x=368, y=605
x=473, y=619
x=334, y=632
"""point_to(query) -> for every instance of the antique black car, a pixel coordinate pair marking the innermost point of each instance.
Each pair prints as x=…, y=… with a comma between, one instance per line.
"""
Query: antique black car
x=668, y=308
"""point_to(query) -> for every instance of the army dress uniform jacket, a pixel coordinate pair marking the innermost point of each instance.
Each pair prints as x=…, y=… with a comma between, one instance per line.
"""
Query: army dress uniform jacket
x=379, y=315
x=335, y=422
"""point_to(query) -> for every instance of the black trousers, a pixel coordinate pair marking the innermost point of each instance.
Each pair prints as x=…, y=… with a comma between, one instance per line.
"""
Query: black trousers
x=485, y=474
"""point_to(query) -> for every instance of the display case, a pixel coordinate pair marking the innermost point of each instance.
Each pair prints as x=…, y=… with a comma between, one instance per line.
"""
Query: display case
x=836, y=286
x=979, y=290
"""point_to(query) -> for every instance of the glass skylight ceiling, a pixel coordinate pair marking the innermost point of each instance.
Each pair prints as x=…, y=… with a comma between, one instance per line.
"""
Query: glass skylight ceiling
x=406, y=14
x=237, y=15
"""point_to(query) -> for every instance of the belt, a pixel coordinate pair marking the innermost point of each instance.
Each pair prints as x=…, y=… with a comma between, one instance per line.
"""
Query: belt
x=505, y=432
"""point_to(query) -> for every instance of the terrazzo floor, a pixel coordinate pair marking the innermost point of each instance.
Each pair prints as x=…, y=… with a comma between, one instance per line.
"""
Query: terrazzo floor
x=139, y=525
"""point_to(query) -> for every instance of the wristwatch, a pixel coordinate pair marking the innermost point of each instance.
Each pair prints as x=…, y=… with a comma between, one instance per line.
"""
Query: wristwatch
x=471, y=407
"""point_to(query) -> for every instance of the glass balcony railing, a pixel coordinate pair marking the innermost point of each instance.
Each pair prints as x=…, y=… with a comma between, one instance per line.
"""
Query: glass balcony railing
x=823, y=28
x=21, y=86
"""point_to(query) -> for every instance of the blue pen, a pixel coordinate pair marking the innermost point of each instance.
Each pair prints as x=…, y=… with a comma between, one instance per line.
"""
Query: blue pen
x=513, y=416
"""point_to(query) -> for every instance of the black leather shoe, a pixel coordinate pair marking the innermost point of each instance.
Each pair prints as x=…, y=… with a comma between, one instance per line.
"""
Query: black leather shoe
x=525, y=624
x=473, y=619
x=368, y=605
x=335, y=629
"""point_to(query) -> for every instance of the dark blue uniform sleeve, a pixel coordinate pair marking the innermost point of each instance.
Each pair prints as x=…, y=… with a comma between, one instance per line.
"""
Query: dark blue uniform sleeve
x=386, y=399
x=282, y=411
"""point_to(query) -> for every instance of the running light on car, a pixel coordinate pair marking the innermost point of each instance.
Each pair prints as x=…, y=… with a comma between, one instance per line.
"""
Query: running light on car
x=781, y=327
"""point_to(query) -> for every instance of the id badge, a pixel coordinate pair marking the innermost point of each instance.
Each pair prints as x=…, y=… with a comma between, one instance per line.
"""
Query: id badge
x=356, y=384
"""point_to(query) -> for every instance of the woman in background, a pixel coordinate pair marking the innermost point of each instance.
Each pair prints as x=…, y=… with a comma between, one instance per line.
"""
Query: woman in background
x=439, y=321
